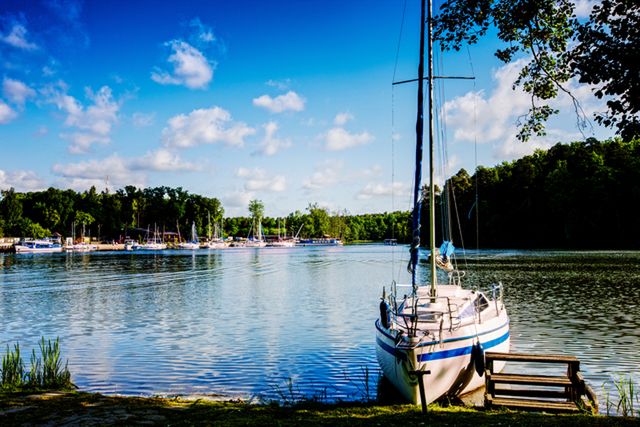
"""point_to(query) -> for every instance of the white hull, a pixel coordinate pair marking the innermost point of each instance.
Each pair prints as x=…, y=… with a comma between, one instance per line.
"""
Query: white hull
x=189, y=246
x=37, y=247
x=255, y=244
x=27, y=250
x=214, y=245
x=81, y=247
x=282, y=244
x=446, y=354
x=150, y=247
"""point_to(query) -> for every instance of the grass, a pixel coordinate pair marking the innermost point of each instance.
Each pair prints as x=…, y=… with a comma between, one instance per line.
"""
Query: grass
x=26, y=399
x=94, y=409
x=45, y=373
x=627, y=397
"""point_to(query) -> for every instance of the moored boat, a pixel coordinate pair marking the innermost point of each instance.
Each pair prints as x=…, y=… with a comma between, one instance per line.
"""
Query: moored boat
x=37, y=246
x=429, y=331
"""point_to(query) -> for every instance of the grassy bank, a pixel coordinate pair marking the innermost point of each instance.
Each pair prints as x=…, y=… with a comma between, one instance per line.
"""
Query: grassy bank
x=77, y=408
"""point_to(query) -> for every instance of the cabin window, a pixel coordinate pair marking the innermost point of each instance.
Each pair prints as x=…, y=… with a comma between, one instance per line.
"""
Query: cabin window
x=482, y=303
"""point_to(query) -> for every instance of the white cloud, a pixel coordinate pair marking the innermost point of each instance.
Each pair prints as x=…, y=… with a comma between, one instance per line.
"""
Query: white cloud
x=162, y=160
x=341, y=119
x=290, y=101
x=338, y=138
x=16, y=91
x=81, y=142
x=6, y=113
x=584, y=7
x=371, y=190
x=204, y=33
x=491, y=117
x=21, y=180
x=259, y=180
x=120, y=171
x=280, y=84
x=190, y=67
x=326, y=174
x=236, y=203
x=17, y=37
x=92, y=124
x=141, y=120
x=205, y=126
x=270, y=145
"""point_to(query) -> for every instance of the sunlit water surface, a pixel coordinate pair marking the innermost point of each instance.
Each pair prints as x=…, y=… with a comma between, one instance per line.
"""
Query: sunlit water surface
x=269, y=323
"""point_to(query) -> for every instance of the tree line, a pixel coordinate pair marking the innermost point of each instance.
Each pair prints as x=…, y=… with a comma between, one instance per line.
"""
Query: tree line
x=578, y=195
x=131, y=211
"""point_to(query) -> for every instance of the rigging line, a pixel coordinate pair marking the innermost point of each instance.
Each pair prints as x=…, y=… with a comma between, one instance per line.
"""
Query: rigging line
x=475, y=156
x=445, y=214
x=395, y=67
x=393, y=126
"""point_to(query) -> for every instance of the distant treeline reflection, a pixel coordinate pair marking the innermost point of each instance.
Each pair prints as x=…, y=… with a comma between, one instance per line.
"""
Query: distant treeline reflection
x=578, y=195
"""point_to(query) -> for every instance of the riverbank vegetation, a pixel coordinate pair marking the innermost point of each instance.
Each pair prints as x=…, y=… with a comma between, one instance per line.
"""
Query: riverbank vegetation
x=77, y=408
x=577, y=195
x=46, y=371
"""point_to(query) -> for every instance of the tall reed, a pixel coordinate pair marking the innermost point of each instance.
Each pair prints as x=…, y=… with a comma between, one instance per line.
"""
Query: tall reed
x=46, y=372
x=12, y=368
x=627, y=397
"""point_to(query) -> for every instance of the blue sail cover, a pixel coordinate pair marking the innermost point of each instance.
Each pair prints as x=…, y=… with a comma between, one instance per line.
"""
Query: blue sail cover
x=447, y=249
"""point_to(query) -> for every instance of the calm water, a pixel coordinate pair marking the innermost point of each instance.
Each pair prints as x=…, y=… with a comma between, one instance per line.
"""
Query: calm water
x=249, y=322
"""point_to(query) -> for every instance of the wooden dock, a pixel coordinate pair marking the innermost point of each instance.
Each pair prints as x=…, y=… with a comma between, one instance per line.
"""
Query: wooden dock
x=566, y=392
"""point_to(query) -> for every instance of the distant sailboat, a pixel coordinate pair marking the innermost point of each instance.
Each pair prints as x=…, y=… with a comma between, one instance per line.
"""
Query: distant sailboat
x=193, y=243
x=256, y=239
x=282, y=241
x=214, y=241
x=154, y=243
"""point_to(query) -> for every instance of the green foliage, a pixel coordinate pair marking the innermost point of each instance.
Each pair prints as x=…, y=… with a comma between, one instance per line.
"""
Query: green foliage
x=578, y=195
x=12, y=369
x=610, y=34
x=46, y=372
x=256, y=209
x=557, y=47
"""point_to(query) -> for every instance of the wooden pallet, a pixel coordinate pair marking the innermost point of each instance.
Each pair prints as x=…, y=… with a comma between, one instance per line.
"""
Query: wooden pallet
x=552, y=393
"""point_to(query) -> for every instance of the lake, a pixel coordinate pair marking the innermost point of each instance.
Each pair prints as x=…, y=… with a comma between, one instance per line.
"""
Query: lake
x=276, y=322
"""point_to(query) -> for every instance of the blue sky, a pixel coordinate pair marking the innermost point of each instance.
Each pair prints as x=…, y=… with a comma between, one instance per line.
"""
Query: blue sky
x=287, y=102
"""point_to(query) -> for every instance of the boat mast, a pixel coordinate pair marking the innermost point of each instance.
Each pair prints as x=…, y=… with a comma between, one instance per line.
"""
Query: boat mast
x=417, y=199
x=432, y=196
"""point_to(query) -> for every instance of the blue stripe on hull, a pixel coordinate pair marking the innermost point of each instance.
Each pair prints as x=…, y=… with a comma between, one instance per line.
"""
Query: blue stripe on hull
x=437, y=355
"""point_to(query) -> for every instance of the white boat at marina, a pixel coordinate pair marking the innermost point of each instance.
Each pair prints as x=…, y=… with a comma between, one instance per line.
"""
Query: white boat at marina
x=154, y=243
x=81, y=247
x=129, y=244
x=34, y=246
x=436, y=332
x=72, y=245
x=192, y=244
x=282, y=241
x=257, y=239
x=325, y=241
x=214, y=240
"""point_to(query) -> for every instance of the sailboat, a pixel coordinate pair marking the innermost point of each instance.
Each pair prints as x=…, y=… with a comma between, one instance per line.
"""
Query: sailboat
x=436, y=332
x=154, y=243
x=80, y=246
x=213, y=241
x=282, y=242
x=256, y=240
x=193, y=243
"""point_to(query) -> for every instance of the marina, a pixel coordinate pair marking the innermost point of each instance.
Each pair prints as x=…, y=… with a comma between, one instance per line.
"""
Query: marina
x=147, y=323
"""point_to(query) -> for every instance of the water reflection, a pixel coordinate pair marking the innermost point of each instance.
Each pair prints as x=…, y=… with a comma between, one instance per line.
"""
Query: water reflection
x=247, y=321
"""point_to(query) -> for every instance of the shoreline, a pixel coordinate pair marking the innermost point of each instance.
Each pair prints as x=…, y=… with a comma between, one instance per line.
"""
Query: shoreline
x=83, y=408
